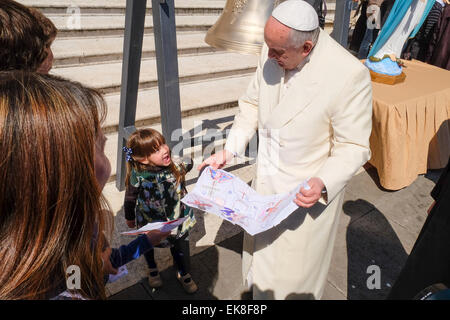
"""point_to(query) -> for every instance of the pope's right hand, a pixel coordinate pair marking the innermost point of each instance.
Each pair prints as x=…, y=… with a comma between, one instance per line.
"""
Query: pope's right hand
x=156, y=236
x=217, y=160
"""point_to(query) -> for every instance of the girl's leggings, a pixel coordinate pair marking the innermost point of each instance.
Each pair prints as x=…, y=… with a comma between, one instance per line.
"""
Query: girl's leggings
x=180, y=253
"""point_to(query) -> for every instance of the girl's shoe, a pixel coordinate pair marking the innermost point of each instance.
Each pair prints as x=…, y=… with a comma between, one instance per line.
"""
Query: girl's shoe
x=188, y=284
x=154, y=280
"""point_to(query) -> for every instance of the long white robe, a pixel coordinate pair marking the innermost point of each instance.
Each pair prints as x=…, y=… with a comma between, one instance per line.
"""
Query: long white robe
x=320, y=127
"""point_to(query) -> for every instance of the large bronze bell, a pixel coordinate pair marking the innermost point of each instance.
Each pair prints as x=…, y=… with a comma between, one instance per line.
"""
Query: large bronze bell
x=241, y=25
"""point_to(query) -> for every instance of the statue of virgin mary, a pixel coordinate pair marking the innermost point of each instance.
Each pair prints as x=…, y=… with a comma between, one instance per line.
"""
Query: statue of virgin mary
x=404, y=21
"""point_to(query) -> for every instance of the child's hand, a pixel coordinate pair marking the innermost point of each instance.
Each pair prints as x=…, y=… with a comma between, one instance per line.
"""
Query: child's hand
x=107, y=266
x=131, y=223
x=156, y=236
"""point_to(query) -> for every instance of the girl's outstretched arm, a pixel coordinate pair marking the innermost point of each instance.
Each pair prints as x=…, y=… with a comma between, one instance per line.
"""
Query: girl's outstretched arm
x=130, y=202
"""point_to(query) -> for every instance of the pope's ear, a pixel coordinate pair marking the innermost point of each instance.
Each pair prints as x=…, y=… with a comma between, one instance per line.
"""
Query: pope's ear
x=307, y=47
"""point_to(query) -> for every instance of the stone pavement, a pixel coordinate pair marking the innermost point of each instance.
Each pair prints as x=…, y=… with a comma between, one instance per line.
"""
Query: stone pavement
x=377, y=227
x=216, y=271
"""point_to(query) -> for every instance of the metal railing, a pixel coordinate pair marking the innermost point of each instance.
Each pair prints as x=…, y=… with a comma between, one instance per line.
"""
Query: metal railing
x=164, y=27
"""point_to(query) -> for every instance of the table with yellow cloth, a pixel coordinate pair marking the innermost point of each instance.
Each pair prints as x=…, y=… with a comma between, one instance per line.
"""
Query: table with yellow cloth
x=411, y=130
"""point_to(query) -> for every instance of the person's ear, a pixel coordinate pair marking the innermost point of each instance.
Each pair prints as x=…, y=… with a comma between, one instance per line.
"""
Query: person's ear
x=307, y=47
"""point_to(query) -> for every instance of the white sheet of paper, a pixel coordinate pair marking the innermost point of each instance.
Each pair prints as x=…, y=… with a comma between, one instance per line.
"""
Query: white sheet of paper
x=162, y=226
x=121, y=272
x=230, y=198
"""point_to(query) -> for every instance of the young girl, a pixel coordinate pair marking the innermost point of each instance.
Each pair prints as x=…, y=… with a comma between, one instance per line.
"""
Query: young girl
x=155, y=185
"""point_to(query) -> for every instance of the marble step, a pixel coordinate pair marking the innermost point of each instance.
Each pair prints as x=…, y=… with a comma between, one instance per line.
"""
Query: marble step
x=113, y=24
x=91, y=50
x=221, y=94
x=107, y=76
x=118, y=6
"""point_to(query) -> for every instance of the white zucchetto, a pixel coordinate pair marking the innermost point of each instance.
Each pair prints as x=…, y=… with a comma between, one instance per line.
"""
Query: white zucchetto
x=296, y=14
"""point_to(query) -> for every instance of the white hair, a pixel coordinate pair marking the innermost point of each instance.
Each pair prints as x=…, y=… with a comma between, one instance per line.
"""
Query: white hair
x=298, y=38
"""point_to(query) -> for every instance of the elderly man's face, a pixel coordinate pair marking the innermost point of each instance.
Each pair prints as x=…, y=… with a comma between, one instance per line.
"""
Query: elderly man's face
x=276, y=36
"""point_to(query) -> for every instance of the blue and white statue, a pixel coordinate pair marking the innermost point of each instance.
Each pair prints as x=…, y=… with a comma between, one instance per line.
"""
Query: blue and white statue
x=404, y=21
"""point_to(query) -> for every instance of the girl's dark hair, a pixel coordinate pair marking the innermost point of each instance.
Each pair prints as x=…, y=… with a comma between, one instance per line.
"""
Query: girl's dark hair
x=52, y=213
x=25, y=34
x=143, y=143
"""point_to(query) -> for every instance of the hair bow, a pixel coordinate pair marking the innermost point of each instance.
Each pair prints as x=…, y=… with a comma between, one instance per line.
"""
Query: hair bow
x=128, y=153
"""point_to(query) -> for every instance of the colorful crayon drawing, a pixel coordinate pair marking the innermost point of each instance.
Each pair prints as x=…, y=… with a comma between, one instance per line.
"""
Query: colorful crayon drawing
x=237, y=217
x=227, y=212
x=219, y=176
x=231, y=215
x=219, y=201
x=210, y=190
x=233, y=200
x=271, y=210
x=199, y=204
x=241, y=206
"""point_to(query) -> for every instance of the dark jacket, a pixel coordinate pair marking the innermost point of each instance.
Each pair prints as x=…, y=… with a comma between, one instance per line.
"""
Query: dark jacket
x=429, y=261
x=441, y=51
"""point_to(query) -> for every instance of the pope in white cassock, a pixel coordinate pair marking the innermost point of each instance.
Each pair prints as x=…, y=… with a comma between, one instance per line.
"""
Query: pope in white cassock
x=311, y=102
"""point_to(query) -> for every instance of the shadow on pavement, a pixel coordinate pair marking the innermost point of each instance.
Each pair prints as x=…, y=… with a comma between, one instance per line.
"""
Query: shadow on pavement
x=216, y=270
x=371, y=241
x=270, y=295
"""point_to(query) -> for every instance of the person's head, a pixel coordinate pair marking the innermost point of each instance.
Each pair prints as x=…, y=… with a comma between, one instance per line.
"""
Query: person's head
x=287, y=45
x=51, y=207
x=26, y=36
x=50, y=33
x=148, y=149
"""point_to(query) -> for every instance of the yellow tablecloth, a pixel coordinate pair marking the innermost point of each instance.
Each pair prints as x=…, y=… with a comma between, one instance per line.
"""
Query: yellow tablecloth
x=411, y=126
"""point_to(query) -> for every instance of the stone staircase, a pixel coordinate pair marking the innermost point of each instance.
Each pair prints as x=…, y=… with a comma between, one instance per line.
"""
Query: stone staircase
x=89, y=48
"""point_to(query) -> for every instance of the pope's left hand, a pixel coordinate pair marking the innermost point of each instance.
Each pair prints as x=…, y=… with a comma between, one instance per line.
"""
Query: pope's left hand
x=308, y=198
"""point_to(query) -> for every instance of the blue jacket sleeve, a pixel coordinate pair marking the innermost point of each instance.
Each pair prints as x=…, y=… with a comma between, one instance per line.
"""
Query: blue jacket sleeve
x=129, y=252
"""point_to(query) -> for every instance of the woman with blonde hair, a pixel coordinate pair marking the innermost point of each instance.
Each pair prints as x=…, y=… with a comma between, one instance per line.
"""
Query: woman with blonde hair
x=52, y=172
